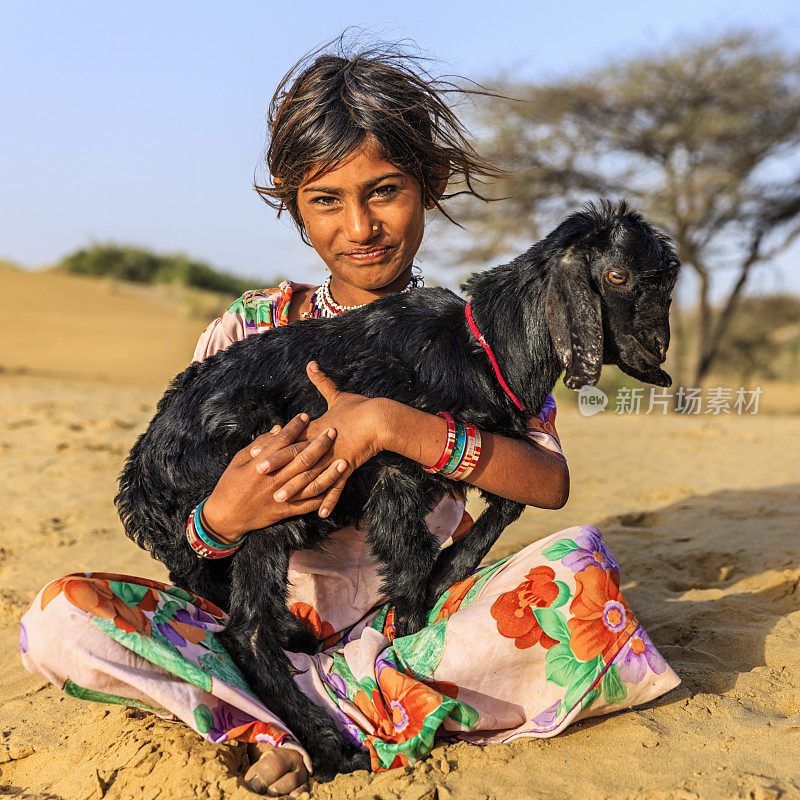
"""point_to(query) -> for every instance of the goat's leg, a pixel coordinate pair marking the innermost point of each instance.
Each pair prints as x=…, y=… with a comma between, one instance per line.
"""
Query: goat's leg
x=400, y=538
x=265, y=557
x=252, y=637
x=465, y=555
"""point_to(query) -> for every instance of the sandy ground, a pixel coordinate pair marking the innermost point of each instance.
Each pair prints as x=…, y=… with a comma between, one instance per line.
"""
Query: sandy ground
x=701, y=512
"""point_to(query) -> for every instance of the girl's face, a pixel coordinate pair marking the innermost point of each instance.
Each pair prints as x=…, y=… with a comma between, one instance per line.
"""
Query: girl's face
x=365, y=218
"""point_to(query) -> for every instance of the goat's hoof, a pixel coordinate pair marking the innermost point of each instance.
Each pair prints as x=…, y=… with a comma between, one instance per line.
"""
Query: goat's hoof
x=332, y=753
x=359, y=760
x=326, y=768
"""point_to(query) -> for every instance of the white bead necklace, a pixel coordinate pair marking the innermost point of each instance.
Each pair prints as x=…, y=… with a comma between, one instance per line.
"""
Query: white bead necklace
x=323, y=304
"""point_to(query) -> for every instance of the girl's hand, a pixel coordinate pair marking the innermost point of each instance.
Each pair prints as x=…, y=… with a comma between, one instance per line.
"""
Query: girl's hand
x=243, y=499
x=359, y=423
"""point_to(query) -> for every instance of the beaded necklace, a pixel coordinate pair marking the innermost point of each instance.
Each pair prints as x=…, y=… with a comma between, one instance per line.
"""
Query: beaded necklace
x=322, y=303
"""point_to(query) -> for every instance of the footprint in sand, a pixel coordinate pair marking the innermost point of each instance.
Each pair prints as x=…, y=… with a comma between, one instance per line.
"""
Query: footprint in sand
x=702, y=571
x=639, y=519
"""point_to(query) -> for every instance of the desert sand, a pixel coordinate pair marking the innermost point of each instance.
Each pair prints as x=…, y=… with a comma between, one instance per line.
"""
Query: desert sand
x=701, y=511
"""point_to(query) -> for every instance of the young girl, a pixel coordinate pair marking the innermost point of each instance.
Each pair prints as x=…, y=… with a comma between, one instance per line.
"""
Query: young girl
x=360, y=148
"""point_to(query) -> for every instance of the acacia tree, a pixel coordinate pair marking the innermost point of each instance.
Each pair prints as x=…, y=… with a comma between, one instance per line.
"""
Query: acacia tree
x=704, y=139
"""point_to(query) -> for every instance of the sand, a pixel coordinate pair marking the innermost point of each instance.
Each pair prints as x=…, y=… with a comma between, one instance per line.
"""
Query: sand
x=702, y=513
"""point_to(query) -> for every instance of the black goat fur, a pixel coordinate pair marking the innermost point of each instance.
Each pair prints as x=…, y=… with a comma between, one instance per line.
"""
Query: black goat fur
x=548, y=309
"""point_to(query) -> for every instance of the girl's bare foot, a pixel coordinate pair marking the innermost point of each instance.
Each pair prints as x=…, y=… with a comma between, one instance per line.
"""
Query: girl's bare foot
x=276, y=771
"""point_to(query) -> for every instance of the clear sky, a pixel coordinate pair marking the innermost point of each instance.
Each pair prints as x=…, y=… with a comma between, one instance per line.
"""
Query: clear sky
x=143, y=122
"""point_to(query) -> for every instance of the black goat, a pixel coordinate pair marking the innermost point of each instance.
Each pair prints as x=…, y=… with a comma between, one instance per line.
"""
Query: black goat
x=596, y=290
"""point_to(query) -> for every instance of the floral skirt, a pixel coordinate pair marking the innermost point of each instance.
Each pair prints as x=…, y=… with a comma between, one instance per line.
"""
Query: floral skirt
x=523, y=647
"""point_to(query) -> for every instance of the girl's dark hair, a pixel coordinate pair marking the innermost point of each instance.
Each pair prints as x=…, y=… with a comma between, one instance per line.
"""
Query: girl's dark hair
x=329, y=102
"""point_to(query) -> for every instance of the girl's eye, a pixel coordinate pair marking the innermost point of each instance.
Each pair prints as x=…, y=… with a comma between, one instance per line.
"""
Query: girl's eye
x=617, y=278
x=387, y=190
x=323, y=200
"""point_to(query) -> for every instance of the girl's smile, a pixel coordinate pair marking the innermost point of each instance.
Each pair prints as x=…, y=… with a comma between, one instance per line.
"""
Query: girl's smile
x=376, y=254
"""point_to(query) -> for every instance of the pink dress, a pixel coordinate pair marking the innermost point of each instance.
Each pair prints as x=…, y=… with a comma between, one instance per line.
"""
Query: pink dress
x=558, y=640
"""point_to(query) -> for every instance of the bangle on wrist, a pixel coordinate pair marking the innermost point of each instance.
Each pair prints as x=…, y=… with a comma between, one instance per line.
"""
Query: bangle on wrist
x=472, y=452
x=201, y=541
x=449, y=445
x=461, y=452
x=215, y=537
x=458, y=450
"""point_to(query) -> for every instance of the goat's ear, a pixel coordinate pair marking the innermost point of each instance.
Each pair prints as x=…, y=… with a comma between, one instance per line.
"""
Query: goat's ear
x=572, y=310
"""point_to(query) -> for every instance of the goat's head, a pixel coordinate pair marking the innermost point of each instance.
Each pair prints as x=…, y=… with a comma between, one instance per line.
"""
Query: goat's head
x=610, y=283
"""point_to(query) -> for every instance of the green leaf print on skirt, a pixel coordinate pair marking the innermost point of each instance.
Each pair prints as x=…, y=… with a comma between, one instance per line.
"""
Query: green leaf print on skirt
x=158, y=650
x=73, y=690
x=421, y=652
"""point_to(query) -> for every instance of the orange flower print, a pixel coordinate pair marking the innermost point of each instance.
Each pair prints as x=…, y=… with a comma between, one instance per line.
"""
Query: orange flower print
x=94, y=596
x=388, y=625
x=368, y=705
x=514, y=610
x=444, y=688
x=457, y=593
x=311, y=619
x=191, y=633
x=332, y=640
x=115, y=576
x=149, y=602
x=54, y=589
x=408, y=702
x=208, y=607
x=256, y=731
x=398, y=710
x=196, y=600
x=599, y=612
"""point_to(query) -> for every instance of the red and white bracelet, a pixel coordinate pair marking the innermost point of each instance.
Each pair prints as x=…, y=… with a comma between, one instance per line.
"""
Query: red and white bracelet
x=472, y=452
x=449, y=445
x=467, y=439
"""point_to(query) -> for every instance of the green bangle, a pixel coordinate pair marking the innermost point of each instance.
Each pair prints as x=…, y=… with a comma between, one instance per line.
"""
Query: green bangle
x=458, y=450
x=206, y=537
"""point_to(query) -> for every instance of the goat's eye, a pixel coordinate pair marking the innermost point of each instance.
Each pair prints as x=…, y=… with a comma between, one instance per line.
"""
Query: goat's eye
x=617, y=278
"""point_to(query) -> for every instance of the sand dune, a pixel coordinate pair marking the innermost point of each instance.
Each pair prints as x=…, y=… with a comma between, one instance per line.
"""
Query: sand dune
x=701, y=512
x=70, y=325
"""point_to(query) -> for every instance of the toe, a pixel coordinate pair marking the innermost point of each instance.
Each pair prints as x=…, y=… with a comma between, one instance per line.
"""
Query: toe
x=278, y=771
x=292, y=783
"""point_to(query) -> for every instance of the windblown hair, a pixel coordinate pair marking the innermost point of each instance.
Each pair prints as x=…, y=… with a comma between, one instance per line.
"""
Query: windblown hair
x=330, y=101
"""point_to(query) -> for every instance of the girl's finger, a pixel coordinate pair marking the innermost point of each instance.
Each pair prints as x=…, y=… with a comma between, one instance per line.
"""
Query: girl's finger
x=298, y=457
x=326, y=387
x=270, y=442
x=313, y=482
x=290, y=432
x=296, y=507
x=284, y=456
x=257, y=444
x=333, y=495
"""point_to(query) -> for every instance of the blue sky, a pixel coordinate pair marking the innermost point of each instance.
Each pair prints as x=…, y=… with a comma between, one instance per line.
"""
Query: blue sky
x=143, y=123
